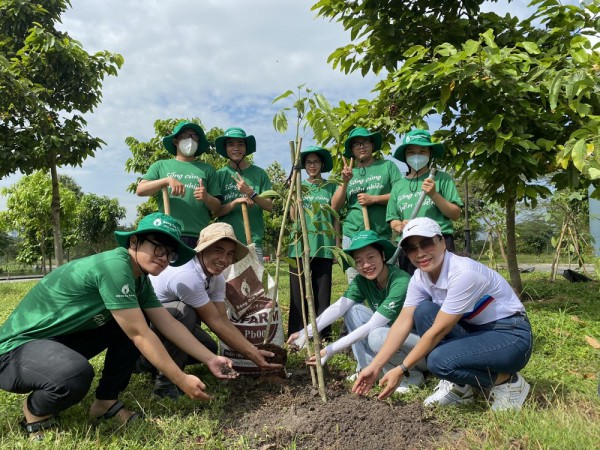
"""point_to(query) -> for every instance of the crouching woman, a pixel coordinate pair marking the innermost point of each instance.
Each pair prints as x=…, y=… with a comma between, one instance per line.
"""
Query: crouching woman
x=473, y=328
x=383, y=288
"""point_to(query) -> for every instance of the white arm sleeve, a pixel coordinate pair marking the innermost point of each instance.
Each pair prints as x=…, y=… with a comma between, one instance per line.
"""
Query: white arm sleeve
x=327, y=317
x=377, y=320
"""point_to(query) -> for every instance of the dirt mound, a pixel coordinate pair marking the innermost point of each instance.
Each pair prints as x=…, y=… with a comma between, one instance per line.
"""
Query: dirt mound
x=274, y=413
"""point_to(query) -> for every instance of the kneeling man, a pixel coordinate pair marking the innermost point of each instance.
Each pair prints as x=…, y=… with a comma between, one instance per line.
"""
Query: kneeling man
x=195, y=293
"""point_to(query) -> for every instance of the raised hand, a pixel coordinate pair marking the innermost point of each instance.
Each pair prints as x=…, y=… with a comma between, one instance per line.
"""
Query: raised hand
x=347, y=170
x=200, y=193
x=242, y=186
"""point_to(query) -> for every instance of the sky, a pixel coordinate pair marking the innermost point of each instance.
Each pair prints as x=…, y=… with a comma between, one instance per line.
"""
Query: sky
x=223, y=61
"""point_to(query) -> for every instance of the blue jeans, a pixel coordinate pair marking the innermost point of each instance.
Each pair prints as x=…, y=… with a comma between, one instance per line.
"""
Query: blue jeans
x=366, y=349
x=57, y=372
x=476, y=354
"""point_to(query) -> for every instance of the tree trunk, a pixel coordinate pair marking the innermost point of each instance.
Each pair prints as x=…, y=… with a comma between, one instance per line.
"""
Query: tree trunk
x=43, y=251
x=55, y=212
x=511, y=243
x=501, y=247
x=556, y=258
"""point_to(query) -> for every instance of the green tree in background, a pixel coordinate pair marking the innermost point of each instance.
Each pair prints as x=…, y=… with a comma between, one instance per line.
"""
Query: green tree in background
x=97, y=219
x=47, y=80
x=29, y=212
x=510, y=93
x=274, y=219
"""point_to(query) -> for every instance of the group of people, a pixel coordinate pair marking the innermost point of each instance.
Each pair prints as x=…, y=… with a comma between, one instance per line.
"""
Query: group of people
x=433, y=311
x=144, y=302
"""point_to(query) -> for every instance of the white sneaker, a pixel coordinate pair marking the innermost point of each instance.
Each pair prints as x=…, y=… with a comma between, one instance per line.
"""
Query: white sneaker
x=415, y=380
x=352, y=377
x=448, y=393
x=510, y=395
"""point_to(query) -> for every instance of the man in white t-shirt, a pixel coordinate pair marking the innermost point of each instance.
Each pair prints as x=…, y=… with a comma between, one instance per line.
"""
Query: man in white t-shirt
x=195, y=294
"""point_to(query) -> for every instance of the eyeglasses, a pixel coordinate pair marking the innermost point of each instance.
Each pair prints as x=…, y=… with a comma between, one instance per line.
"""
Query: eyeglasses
x=312, y=163
x=161, y=250
x=183, y=136
x=426, y=245
x=360, y=144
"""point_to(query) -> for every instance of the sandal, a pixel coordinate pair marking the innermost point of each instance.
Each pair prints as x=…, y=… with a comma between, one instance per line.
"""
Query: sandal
x=35, y=430
x=115, y=408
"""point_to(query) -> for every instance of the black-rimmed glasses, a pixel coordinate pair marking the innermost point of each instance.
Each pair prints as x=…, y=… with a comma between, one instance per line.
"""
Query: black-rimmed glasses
x=360, y=144
x=161, y=250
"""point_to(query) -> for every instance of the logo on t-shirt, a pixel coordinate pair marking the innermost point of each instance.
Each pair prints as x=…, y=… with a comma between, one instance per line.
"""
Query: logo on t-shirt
x=126, y=292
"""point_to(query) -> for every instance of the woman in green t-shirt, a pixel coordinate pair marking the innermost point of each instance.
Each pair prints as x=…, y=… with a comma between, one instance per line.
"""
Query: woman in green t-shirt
x=93, y=304
x=442, y=204
x=383, y=288
x=321, y=238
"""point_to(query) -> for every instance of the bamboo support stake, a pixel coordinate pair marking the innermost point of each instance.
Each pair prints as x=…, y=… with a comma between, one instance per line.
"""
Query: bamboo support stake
x=307, y=276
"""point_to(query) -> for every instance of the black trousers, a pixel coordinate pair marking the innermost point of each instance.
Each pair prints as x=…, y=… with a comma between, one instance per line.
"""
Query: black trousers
x=321, y=269
x=57, y=372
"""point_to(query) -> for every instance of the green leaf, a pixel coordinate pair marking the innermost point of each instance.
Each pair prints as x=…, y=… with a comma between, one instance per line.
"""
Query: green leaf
x=471, y=47
x=284, y=95
x=579, y=154
x=531, y=47
x=269, y=194
x=280, y=122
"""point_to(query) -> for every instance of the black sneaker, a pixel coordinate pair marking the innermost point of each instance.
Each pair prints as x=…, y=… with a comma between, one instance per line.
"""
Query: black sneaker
x=168, y=391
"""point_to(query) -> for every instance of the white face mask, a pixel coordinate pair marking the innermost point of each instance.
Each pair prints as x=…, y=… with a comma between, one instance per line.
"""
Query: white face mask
x=187, y=147
x=417, y=162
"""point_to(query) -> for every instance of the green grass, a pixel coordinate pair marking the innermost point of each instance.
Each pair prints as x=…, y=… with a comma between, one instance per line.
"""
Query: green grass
x=563, y=410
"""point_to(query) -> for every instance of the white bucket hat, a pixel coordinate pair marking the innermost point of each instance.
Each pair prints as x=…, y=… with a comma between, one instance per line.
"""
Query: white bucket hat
x=217, y=231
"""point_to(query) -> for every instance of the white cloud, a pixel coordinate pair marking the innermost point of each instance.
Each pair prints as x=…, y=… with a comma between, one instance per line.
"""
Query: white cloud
x=223, y=61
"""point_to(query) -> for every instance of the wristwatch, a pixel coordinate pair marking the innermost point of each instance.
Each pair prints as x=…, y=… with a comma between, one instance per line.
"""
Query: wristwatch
x=404, y=370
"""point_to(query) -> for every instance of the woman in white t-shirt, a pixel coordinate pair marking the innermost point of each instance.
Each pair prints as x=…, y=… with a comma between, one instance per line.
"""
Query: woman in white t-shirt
x=474, y=330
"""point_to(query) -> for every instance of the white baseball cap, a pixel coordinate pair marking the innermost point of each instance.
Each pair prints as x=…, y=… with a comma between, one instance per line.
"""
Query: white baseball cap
x=421, y=226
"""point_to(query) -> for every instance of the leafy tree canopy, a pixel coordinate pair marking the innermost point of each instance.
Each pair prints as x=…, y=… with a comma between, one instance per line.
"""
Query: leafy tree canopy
x=517, y=99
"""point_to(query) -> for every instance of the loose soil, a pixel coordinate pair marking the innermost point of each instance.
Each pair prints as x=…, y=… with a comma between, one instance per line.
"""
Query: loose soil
x=275, y=413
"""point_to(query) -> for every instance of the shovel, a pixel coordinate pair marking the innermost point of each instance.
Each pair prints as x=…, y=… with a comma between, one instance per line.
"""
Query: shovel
x=394, y=258
x=166, y=201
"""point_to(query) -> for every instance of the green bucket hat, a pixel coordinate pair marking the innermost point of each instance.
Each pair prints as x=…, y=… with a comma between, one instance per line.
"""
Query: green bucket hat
x=369, y=237
x=235, y=133
x=362, y=132
x=160, y=223
x=202, y=143
x=324, y=154
x=422, y=138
